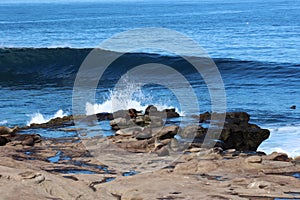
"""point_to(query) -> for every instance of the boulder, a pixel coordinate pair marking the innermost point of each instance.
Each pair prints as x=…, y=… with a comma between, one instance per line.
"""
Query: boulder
x=166, y=132
x=8, y=131
x=131, y=131
x=275, y=156
x=238, y=133
x=191, y=132
x=121, y=123
x=3, y=141
x=171, y=113
x=243, y=136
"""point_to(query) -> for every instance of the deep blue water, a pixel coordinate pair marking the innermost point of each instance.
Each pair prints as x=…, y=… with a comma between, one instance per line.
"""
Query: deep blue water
x=256, y=46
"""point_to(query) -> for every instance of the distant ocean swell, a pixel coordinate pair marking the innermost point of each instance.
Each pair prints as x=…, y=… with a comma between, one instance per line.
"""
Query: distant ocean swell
x=58, y=66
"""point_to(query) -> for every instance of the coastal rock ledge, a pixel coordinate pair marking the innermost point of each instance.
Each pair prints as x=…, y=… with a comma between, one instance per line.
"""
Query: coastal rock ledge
x=147, y=133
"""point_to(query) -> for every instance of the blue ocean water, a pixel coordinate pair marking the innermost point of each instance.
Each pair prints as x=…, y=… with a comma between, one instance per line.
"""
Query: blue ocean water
x=256, y=46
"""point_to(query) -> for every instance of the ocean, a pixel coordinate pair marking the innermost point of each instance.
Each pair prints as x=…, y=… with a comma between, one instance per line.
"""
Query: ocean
x=255, y=45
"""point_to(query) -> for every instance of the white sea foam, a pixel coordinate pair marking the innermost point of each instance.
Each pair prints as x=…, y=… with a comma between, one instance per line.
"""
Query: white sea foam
x=39, y=118
x=126, y=95
x=3, y=122
x=283, y=139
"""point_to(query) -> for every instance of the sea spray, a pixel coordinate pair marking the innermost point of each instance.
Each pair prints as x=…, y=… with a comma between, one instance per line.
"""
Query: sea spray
x=281, y=141
x=3, y=122
x=39, y=118
x=128, y=94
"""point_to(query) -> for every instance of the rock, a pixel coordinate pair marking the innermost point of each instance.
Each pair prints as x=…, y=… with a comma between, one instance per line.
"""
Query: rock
x=145, y=134
x=293, y=107
x=132, y=113
x=120, y=123
x=231, y=117
x=3, y=141
x=238, y=134
x=162, y=152
x=278, y=157
x=260, y=185
x=191, y=132
x=28, y=141
x=131, y=131
x=8, y=131
x=54, y=123
x=156, y=121
x=150, y=109
x=297, y=159
x=171, y=113
x=166, y=132
x=253, y=159
x=204, y=117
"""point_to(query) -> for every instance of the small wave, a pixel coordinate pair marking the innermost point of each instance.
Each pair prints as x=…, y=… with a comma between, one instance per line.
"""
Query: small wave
x=60, y=65
x=39, y=118
x=127, y=95
x=283, y=139
x=3, y=122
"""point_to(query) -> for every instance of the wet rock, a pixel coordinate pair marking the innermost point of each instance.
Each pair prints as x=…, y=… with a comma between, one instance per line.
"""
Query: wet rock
x=54, y=123
x=278, y=157
x=3, y=141
x=293, y=107
x=171, y=113
x=150, y=109
x=98, y=117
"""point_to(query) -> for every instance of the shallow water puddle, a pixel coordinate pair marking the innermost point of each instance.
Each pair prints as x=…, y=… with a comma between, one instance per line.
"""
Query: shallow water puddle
x=130, y=173
x=296, y=175
x=75, y=171
x=56, y=158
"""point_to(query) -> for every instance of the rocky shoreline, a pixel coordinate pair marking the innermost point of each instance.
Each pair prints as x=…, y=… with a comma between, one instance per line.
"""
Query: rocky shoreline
x=147, y=158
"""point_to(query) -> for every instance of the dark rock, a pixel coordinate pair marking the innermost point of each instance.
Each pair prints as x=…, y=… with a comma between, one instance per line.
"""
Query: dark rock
x=204, y=117
x=293, y=107
x=3, y=141
x=132, y=113
x=237, y=132
x=54, y=123
x=191, y=132
x=150, y=109
x=27, y=139
x=171, y=113
x=104, y=116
